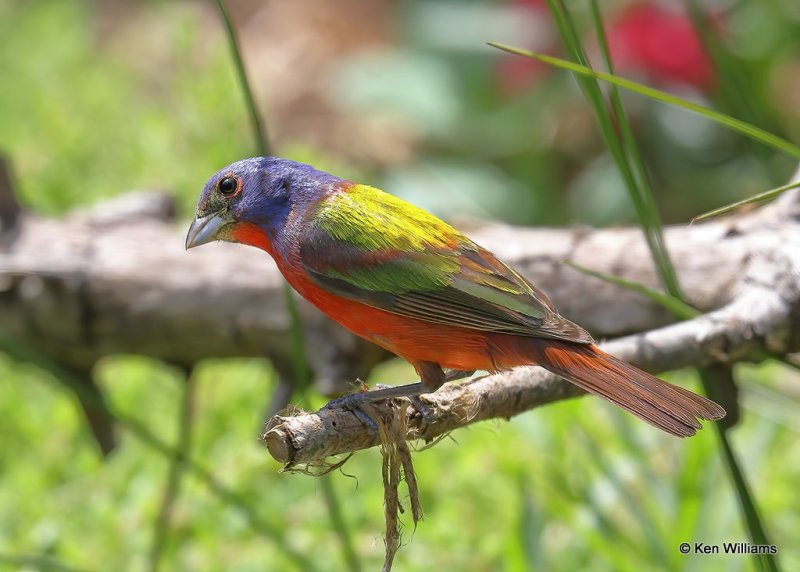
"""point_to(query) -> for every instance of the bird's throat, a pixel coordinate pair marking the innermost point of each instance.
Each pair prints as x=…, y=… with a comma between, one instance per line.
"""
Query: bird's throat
x=252, y=235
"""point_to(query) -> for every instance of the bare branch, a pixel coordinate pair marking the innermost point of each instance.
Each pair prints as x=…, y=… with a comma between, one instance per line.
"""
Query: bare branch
x=757, y=320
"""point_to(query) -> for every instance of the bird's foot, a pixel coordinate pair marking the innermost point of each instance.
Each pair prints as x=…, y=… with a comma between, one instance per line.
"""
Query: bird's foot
x=422, y=409
x=355, y=401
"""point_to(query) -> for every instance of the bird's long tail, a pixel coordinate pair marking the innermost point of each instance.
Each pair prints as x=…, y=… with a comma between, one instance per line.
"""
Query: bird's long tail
x=666, y=406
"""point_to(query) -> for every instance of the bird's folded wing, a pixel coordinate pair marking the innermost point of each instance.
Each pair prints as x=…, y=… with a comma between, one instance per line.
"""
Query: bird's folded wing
x=405, y=261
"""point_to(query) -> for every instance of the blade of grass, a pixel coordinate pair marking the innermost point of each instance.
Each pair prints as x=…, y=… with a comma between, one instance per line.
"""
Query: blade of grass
x=648, y=216
x=302, y=373
x=259, y=131
x=642, y=511
x=39, y=562
x=528, y=540
x=765, y=196
x=622, y=148
x=642, y=192
x=299, y=364
x=744, y=496
x=735, y=88
x=733, y=93
x=676, y=306
x=730, y=122
x=747, y=502
x=339, y=523
x=680, y=309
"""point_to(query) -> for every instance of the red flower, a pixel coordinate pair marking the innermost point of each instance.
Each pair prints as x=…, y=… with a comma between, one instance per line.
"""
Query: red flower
x=645, y=39
x=660, y=44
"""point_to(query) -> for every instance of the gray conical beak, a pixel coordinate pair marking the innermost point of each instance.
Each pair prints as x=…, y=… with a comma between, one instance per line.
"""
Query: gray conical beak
x=204, y=230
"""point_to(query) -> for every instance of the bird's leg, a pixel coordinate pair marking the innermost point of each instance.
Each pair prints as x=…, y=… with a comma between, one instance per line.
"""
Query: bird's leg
x=456, y=374
x=420, y=388
x=355, y=401
x=432, y=378
x=450, y=375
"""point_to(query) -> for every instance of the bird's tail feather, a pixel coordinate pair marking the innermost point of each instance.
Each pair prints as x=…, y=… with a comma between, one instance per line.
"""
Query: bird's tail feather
x=666, y=406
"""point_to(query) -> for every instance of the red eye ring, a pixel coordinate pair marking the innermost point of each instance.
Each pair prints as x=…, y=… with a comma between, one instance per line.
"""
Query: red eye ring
x=229, y=186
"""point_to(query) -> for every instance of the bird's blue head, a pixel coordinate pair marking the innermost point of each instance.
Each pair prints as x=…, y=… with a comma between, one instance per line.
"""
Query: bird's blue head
x=250, y=201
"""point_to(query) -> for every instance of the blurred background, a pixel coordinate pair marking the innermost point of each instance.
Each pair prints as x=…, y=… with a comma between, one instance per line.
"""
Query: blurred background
x=99, y=98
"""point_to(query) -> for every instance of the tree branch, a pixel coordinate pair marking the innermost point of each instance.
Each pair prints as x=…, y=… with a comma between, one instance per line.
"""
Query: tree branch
x=117, y=280
x=759, y=319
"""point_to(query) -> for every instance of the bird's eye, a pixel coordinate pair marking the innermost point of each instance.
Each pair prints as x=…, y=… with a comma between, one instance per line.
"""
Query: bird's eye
x=228, y=186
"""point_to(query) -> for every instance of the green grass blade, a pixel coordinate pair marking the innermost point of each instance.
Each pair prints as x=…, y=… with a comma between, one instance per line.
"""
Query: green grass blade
x=175, y=472
x=642, y=192
x=39, y=562
x=734, y=92
x=726, y=120
x=758, y=535
x=340, y=525
x=529, y=528
x=301, y=372
x=745, y=498
x=676, y=306
x=642, y=197
x=622, y=149
x=765, y=196
x=735, y=89
x=259, y=131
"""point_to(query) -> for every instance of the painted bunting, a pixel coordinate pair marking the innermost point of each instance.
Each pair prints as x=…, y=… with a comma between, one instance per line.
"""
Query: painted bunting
x=407, y=281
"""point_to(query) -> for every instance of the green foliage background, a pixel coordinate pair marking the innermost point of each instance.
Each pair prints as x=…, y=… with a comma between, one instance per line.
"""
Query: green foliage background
x=572, y=485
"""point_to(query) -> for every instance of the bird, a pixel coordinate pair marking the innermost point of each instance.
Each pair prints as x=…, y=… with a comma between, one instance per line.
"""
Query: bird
x=409, y=282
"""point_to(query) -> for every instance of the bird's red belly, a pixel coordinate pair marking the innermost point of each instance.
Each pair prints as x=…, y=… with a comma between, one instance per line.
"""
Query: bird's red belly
x=412, y=339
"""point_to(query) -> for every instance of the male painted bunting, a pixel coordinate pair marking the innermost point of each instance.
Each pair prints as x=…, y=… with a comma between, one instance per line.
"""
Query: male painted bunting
x=398, y=276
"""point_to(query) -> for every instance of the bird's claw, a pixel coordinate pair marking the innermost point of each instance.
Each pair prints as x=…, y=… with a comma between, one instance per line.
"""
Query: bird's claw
x=355, y=401
x=424, y=411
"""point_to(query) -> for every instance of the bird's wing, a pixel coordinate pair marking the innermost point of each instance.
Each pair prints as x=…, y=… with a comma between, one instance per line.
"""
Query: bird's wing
x=368, y=246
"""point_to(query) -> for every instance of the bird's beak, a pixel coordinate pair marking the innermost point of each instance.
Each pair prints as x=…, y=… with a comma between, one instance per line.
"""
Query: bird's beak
x=204, y=229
